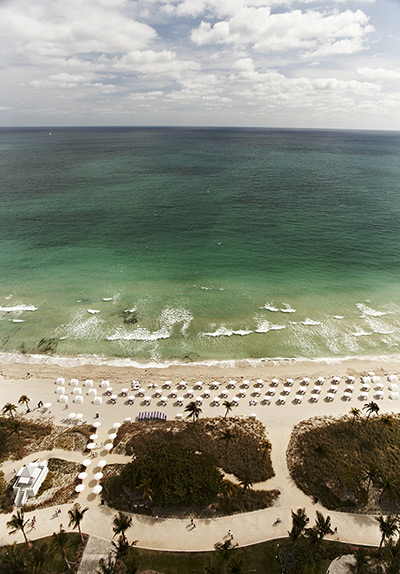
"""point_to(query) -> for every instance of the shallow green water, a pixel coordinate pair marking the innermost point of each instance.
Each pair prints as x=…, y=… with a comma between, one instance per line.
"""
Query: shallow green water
x=204, y=233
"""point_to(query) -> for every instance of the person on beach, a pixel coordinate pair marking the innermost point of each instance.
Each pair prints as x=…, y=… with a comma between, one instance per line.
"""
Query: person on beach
x=192, y=523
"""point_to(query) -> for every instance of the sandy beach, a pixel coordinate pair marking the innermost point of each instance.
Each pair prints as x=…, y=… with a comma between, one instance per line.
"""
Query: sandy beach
x=39, y=382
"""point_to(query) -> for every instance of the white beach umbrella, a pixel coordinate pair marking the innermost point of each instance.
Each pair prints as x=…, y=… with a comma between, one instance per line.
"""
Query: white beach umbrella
x=112, y=435
x=330, y=396
x=289, y=382
x=393, y=379
x=350, y=388
x=98, y=475
x=270, y=392
x=90, y=445
x=232, y=384
x=224, y=394
x=380, y=386
x=108, y=446
x=275, y=381
x=394, y=396
x=351, y=379
x=82, y=475
x=113, y=397
x=314, y=397
x=94, y=436
x=102, y=463
x=117, y=425
x=124, y=391
x=131, y=398
x=246, y=384
x=333, y=389
x=366, y=380
x=72, y=416
x=216, y=402
x=190, y=394
x=60, y=390
x=174, y=394
x=60, y=381
x=158, y=394
x=80, y=488
x=105, y=384
x=79, y=416
x=167, y=384
x=179, y=400
x=336, y=379
x=320, y=380
x=77, y=391
x=97, y=424
x=376, y=380
x=393, y=387
x=199, y=399
x=128, y=419
x=47, y=405
x=371, y=374
x=302, y=390
x=298, y=398
x=260, y=381
x=74, y=382
x=215, y=385
x=346, y=395
x=89, y=383
x=365, y=386
x=306, y=380
x=182, y=385
x=363, y=396
x=86, y=462
x=97, y=489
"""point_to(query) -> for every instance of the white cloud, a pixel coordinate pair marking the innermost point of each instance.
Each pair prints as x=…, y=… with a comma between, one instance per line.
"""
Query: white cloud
x=378, y=73
x=316, y=32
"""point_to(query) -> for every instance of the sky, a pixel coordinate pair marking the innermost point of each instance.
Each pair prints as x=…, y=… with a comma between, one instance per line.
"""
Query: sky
x=266, y=63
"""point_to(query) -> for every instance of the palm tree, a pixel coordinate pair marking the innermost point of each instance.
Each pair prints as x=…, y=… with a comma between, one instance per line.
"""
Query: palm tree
x=60, y=543
x=145, y=486
x=246, y=483
x=227, y=436
x=107, y=566
x=355, y=413
x=371, y=408
x=225, y=550
x=362, y=565
x=323, y=525
x=388, y=527
x=121, y=523
x=228, y=405
x=372, y=476
x=121, y=548
x=387, y=487
x=299, y=522
x=9, y=409
x=18, y=522
x=228, y=487
x=24, y=400
x=193, y=410
x=37, y=558
x=76, y=515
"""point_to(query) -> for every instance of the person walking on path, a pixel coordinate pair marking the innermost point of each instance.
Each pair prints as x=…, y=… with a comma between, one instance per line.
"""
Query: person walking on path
x=192, y=523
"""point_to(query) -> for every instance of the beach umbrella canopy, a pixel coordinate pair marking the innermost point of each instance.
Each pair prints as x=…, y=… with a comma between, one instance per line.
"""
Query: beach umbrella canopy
x=72, y=416
x=114, y=397
x=79, y=488
x=112, y=435
x=376, y=379
x=306, y=380
x=393, y=378
x=97, y=489
x=350, y=388
x=336, y=379
x=102, y=463
x=108, y=446
x=393, y=387
x=47, y=405
x=320, y=379
x=60, y=381
x=394, y=396
x=124, y=390
x=379, y=385
x=79, y=416
x=371, y=374
x=131, y=398
x=97, y=424
x=128, y=420
x=366, y=380
x=82, y=475
x=275, y=381
x=98, y=475
x=351, y=379
x=289, y=381
x=94, y=436
x=90, y=445
x=117, y=425
x=86, y=462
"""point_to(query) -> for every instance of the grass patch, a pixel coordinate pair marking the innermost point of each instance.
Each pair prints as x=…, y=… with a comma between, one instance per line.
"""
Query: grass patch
x=19, y=437
x=348, y=464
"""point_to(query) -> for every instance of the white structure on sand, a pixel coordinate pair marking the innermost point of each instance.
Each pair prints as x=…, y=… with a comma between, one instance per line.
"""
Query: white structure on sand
x=29, y=479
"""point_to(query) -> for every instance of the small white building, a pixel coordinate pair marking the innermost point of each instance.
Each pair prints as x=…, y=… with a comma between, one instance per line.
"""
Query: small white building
x=29, y=479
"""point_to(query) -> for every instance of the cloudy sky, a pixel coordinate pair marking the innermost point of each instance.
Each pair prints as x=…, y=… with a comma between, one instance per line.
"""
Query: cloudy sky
x=293, y=63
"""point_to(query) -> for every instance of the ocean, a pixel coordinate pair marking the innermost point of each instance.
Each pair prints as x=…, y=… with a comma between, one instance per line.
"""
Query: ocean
x=180, y=244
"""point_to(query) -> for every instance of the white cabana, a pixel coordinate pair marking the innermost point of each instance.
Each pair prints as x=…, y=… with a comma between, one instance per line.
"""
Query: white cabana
x=375, y=379
x=393, y=379
x=80, y=488
x=366, y=380
x=86, y=462
x=105, y=384
x=96, y=424
x=77, y=391
x=60, y=381
x=63, y=399
x=74, y=382
x=98, y=475
x=92, y=392
x=78, y=399
x=89, y=383
x=97, y=489
x=60, y=390
x=178, y=416
x=82, y=475
x=102, y=463
x=97, y=400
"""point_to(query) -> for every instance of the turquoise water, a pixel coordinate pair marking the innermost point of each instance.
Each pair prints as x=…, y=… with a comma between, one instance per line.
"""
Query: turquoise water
x=222, y=243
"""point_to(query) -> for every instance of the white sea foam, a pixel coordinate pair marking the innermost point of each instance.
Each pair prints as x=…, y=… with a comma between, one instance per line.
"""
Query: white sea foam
x=270, y=307
x=18, y=320
x=369, y=312
x=18, y=308
x=287, y=309
x=107, y=298
x=82, y=327
x=93, y=311
x=361, y=333
x=139, y=334
x=265, y=326
x=309, y=321
x=223, y=331
x=338, y=316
